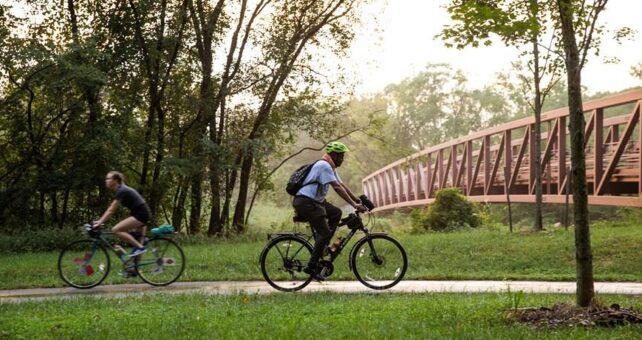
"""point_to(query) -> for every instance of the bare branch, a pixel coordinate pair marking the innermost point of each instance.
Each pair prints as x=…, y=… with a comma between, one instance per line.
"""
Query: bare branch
x=588, y=37
x=175, y=50
x=256, y=191
x=141, y=39
x=550, y=50
x=198, y=28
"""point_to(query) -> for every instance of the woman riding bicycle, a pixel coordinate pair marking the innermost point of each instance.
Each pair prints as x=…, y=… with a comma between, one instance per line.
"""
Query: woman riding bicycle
x=131, y=199
x=310, y=202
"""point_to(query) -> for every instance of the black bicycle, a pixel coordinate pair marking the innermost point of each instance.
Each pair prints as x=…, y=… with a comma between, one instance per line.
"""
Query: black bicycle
x=85, y=263
x=377, y=260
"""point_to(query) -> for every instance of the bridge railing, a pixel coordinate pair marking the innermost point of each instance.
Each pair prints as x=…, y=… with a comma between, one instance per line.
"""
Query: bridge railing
x=497, y=164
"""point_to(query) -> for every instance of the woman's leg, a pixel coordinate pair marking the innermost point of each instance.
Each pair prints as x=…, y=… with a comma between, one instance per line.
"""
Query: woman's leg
x=121, y=230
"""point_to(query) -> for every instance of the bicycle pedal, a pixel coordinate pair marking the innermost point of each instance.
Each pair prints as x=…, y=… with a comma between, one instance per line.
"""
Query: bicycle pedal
x=318, y=278
x=128, y=274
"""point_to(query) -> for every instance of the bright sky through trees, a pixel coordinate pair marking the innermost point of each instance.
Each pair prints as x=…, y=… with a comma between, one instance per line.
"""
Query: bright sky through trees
x=402, y=43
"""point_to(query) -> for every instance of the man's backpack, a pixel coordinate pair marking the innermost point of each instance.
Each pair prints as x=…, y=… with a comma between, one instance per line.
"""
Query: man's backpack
x=295, y=183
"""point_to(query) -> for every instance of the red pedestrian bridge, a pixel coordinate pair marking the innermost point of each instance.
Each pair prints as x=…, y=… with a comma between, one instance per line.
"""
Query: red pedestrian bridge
x=497, y=164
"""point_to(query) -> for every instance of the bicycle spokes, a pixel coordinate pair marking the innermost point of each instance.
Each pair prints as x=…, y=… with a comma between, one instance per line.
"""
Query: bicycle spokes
x=282, y=263
x=379, y=261
x=83, y=264
x=162, y=263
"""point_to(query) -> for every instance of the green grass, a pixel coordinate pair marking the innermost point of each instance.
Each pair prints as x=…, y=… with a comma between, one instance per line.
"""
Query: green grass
x=479, y=254
x=323, y=315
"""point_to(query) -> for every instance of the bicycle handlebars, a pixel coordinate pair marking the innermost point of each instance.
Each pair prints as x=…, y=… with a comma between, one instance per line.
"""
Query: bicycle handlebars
x=366, y=202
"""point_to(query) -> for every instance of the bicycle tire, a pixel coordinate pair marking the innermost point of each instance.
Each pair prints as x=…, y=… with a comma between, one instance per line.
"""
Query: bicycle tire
x=83, y=264
x=163, y=262
x=284, y=270
x=382, y=268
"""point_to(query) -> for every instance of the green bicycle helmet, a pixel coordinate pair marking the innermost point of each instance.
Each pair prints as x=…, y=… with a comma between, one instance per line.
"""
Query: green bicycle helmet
x=336, y=147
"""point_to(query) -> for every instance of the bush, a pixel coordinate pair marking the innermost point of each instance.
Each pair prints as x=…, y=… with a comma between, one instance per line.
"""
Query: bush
x=38, y=240
x=450, y=211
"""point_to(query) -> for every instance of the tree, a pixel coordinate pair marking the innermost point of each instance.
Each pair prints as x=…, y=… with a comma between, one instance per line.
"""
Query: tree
x=636, y=71
x=163, y=91
x=586, y=14
x=57, y=71
x=525, y=25
x=159, y=40
x=436, y=105
x=296, y=29
x=208, y=25
x=205, y=23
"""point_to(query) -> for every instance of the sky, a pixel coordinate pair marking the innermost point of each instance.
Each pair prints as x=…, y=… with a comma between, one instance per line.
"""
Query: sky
x=402, y=43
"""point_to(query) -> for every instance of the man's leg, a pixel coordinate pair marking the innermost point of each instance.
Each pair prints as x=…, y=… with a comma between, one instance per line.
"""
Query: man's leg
x=121, y=230
x=324, y=234
x=334, y=216
x=316, y=215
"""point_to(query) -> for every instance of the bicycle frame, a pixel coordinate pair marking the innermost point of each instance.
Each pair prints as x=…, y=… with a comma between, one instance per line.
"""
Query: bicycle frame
x=128, y=262
x=337, y=252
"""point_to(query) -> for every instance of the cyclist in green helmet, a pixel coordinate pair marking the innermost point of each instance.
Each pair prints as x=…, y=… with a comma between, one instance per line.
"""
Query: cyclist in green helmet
x=310, y=201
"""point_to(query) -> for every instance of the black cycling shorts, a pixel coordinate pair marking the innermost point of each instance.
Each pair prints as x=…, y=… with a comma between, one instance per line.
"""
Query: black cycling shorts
x=142, y=213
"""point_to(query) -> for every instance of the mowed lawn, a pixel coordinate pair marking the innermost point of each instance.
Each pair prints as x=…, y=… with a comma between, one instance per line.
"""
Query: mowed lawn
x=478, y=254
x=294, y=316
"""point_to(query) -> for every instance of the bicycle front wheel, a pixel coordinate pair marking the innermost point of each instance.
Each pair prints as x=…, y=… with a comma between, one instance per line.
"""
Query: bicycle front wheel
x=282, y=262
x=162, y=263
x=83, y=264
x=379, y=261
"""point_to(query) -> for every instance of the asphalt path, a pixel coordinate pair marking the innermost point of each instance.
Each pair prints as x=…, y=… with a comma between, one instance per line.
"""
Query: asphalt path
x=260, y=287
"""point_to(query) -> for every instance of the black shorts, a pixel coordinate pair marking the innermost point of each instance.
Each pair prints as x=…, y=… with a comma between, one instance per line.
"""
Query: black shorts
x=142, y=213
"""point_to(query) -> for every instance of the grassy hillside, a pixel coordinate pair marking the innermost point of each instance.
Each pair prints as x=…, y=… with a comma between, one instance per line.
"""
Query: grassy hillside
x=483, y=254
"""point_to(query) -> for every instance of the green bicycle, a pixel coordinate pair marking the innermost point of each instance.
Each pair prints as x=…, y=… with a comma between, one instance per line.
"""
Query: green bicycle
x=85, y=263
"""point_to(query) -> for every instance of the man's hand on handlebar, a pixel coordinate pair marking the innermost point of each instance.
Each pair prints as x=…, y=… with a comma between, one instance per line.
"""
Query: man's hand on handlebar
x=360, y=208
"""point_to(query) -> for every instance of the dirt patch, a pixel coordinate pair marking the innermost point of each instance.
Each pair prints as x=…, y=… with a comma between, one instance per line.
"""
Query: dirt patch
x=569, y=315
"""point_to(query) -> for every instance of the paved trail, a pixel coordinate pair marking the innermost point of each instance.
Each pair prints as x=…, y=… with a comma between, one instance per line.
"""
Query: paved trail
x=260, y=287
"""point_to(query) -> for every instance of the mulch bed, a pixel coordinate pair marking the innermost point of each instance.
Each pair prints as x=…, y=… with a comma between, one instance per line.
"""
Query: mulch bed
x=569, y=315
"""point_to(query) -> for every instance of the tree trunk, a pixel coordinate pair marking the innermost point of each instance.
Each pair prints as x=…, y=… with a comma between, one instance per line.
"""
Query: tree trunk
x=537, y=111
x=42, y=208
x=147, y=149
x=215, y=226
x=230, y=181
x=205, y=22
x=239, y=209
x=179, y=203
x=197, y=201
x=583, y=257
x=537, y=226
x=249, y=209
x=54, y=208
x=156, y=192
x=65, y=206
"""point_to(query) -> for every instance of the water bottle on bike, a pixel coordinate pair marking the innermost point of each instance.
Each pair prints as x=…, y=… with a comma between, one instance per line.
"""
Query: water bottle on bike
x=337, y=244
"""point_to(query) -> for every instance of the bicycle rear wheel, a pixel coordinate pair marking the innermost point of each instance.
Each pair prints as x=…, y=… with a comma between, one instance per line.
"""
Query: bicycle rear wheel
x=162, y=263
x=282, y=261
x=83, y=264
x=379, y=261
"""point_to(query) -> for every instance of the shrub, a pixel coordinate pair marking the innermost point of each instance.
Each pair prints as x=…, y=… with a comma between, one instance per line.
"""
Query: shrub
x=450, y=211
x=37, y=240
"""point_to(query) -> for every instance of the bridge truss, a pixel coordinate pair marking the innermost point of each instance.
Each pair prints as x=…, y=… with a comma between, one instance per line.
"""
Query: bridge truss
x=497, y=164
